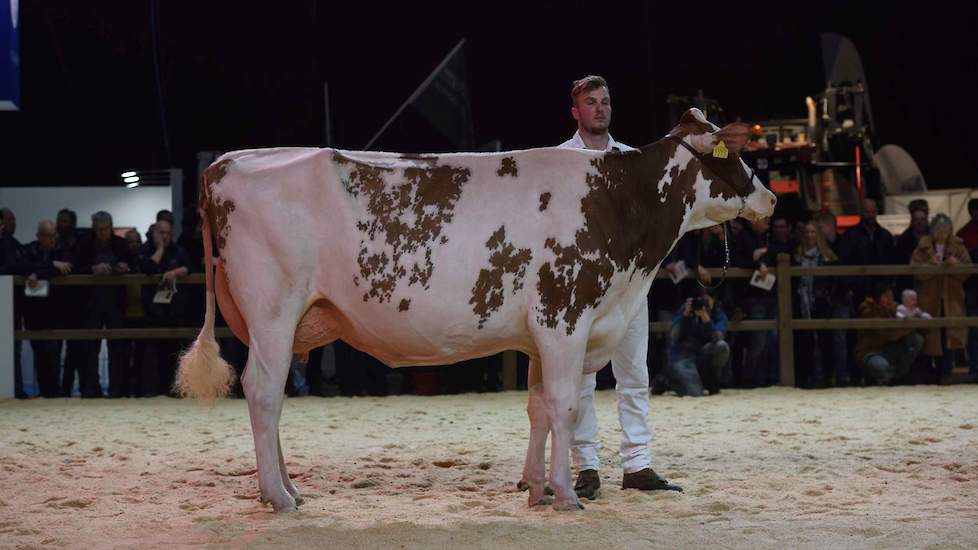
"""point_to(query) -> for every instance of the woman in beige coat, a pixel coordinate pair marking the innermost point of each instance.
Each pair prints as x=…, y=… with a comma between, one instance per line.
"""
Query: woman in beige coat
x=942, y=295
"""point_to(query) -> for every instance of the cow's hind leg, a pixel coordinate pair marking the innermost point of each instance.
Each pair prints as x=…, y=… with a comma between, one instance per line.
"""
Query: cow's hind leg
x=535, y=469
x=264, y=387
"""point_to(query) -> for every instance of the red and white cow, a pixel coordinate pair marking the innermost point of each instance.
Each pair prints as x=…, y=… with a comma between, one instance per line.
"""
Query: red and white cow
x=432, y=259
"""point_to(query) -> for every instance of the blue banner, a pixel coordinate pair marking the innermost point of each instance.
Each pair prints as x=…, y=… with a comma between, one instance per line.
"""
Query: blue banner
x=9, y=56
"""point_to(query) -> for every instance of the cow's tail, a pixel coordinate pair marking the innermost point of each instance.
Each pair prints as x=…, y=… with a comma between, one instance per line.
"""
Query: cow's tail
x=203, y=374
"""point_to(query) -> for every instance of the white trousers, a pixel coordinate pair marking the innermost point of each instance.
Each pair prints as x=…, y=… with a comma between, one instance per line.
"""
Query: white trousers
x=631, y=373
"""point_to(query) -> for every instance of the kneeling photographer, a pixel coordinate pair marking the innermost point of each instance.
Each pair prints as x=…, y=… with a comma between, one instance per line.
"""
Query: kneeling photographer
x=697, y=350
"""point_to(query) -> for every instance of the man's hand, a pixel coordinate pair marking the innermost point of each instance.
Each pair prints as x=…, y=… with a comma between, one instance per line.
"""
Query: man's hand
x=760, y=252
x=121, y=268
x=951, y=261
x=101, y=269
x=63, y=267
x=32, y=281
x=170, y=277
x=704, y=275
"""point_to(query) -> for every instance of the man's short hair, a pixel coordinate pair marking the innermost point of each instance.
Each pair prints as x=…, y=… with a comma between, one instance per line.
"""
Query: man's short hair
x=972, y=205
x=101, y=217
x=164, y=215
x=586, y=84
x=826, y=217
x=918, y=204
x=70, y=213
x=881, y=288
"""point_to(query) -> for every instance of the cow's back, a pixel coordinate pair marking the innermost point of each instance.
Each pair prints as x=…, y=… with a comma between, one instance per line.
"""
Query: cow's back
x=416, y=258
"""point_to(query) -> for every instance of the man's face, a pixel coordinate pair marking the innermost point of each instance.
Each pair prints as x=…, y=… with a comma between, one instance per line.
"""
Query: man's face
x=869, y=211
x=760, y=226
x=886, y=300
x=9, y=222
x=65, y=227
x=132, y=239
x=918, y=220
x=103, y=231
x=163, y=231
x=781, y=230
x=46, y=236
x=592, y=111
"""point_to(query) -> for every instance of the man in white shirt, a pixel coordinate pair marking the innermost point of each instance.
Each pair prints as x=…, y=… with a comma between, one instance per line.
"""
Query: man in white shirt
x=591, y=108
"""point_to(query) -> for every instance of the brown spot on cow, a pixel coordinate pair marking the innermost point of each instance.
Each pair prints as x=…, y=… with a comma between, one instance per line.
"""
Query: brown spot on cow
x=218, y=211
x=488, y=293
x=544, y=201
x=507, y=167
x=404, y=305
x=406, y=210
x=625, y=227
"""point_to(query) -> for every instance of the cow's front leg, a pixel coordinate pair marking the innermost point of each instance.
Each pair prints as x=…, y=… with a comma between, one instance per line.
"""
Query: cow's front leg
x=535, y=469
x=264, y=387
x=562, y=363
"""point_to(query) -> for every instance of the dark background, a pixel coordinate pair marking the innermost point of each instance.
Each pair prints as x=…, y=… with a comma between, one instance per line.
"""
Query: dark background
x=237, y=75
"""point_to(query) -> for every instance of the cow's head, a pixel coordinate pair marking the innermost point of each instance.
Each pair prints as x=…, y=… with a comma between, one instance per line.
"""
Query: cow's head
x=726, y=187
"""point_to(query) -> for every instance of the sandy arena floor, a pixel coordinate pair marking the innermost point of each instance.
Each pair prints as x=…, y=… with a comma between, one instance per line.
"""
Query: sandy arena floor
x=771, y=468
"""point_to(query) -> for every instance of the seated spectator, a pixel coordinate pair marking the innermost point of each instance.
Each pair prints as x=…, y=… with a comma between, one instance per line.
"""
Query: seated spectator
x=908, y=308
x=885, y=355
x=697, y=352
x=104, y=253
x=814, y=301
x=163, y=257
x=942, y=295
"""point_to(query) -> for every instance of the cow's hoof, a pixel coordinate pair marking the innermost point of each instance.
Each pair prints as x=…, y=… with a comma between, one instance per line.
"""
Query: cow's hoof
x=523, y=485
x=545, y=500
x=287, y=504
x=568, y=505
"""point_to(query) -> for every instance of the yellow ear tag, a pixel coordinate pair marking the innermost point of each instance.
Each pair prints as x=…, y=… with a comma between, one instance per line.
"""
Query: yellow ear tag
x=720, y=150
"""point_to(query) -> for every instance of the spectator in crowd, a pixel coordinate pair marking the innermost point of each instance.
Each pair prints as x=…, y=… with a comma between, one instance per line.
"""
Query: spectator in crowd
x=697, y=350
x=12, y=258
x=813, y=301
x=755, y=251
x=907, y=242
x=43, y=312
x=866, y=243
x=942, y=295
x=969, y=235
x=885, y=354
x=969, y=231
x=908, y=308
x=166, y=215
x=105, y=253
x=163, y=257
x=73, y=301
x=840, y=303
x=134, y=241
x=664, y=298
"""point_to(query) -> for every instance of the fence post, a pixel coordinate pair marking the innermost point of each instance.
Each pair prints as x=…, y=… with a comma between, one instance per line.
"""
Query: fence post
x=786, y=343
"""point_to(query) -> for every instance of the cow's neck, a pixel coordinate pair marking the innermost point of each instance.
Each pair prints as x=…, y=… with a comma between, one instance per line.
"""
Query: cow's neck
x=637, y=203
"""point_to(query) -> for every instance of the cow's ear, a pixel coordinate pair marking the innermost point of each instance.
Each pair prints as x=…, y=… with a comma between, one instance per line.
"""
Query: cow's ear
x=693, y=115
x=734, y=136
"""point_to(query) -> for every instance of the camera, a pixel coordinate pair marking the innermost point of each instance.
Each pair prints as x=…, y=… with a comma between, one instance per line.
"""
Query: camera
x=698, y=304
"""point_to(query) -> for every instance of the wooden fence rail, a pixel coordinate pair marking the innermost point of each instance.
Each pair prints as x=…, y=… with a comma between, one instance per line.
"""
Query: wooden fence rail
x=785, y=324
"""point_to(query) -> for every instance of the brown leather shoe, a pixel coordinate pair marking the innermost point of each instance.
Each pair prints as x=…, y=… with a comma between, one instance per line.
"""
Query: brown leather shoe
x=647, y=480
x=588, y=483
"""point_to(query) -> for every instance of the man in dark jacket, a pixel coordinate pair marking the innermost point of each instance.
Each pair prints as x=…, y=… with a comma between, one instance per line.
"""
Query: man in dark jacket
x=885, y=354
x=105, y=253
x=44, y=311
x=161, y=256
x=73, y=301
x=12, y=263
